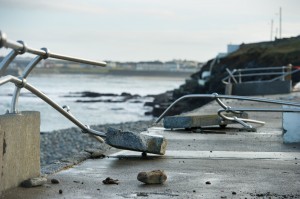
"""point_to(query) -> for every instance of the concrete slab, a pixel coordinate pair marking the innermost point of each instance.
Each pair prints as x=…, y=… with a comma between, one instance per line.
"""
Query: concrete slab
x=143, y=142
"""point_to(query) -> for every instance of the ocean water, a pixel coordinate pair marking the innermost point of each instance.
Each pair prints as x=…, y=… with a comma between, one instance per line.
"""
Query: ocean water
x=66, y=89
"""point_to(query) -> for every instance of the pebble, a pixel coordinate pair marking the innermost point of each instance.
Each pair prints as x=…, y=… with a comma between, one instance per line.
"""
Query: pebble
x=54, y=181
x=109, y=180
x=208, y=182
x=34, y=182
x=152, y=177
x=60, y=191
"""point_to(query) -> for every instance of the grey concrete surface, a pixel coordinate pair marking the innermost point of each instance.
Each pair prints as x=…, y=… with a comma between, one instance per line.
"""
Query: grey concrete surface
x=19, y=148
x=206, y=163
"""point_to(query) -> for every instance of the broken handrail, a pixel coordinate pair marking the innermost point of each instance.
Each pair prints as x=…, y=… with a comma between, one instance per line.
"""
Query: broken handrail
x=22, y=83
x=229, y=109
x=20, y=47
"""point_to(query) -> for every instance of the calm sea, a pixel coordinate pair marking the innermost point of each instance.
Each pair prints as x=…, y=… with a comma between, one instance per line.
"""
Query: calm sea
x=61, y=87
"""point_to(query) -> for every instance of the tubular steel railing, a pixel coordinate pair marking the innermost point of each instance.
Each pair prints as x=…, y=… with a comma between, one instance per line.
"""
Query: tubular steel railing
x=20, y=47
x=228, y=109
x=280, y=73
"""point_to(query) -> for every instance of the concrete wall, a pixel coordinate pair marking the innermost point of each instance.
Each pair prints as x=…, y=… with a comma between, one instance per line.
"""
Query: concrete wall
x=19, y=148
x=291, y=126
x=259, y=88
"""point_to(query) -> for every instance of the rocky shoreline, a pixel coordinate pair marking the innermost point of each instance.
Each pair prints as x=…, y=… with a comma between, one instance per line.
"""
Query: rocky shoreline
x=66, y=147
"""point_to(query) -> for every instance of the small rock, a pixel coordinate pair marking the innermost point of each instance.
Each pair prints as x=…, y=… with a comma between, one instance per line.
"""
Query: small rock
x=60, y=191
x=109, y=180
x=97, y=155
x=233, y=193
x=54, y=181
x=34, y=182
x=208, y=182
x=152, y=177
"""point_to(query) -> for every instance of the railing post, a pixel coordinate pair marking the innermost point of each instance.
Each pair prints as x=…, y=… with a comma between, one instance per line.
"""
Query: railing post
x=288, y=71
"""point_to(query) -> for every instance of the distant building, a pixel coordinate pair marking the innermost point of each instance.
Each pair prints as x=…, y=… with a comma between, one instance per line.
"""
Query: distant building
x=232, y=48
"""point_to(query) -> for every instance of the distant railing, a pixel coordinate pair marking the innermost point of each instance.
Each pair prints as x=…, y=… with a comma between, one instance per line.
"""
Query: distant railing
x=278, y=73
x=20, y=47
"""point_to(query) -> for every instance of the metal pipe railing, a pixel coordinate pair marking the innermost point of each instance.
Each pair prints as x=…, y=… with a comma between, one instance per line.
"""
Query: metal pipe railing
x=282, y=74
x=20, y=47
x=21, y=83
x=4, y=42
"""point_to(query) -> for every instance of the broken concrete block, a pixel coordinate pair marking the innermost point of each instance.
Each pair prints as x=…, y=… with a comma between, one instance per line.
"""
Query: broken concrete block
x=142, y=142
x=197, y=121
x=34, y=182
x=152, y=177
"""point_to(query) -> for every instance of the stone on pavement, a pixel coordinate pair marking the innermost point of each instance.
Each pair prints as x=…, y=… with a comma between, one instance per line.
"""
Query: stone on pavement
x=34, y=182
x=152, y=177
x=142, y=142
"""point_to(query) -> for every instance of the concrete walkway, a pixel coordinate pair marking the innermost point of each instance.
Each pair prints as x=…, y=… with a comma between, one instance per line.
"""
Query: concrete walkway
x=206, y=163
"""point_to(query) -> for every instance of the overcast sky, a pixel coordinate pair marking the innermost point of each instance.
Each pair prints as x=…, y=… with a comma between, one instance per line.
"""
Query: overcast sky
x=140, y=30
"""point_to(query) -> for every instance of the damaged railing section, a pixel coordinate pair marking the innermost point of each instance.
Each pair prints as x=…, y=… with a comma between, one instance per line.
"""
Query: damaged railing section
x=19, y=48
x=227, y=109
x=142, y=142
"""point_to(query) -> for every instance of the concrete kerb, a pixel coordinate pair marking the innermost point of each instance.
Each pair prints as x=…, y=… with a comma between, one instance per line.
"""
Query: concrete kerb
x=20, y=148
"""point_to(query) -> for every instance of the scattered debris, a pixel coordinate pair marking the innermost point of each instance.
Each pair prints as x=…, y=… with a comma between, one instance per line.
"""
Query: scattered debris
x=144, y=154
x=142, y=194
x=97, y=155
x=54, y=181
x=152, y=177
x=109, y=180
x=34, y=182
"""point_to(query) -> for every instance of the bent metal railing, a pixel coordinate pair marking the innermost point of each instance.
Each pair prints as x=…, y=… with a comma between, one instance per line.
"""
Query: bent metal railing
x=228, y=109
x=20, y=47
